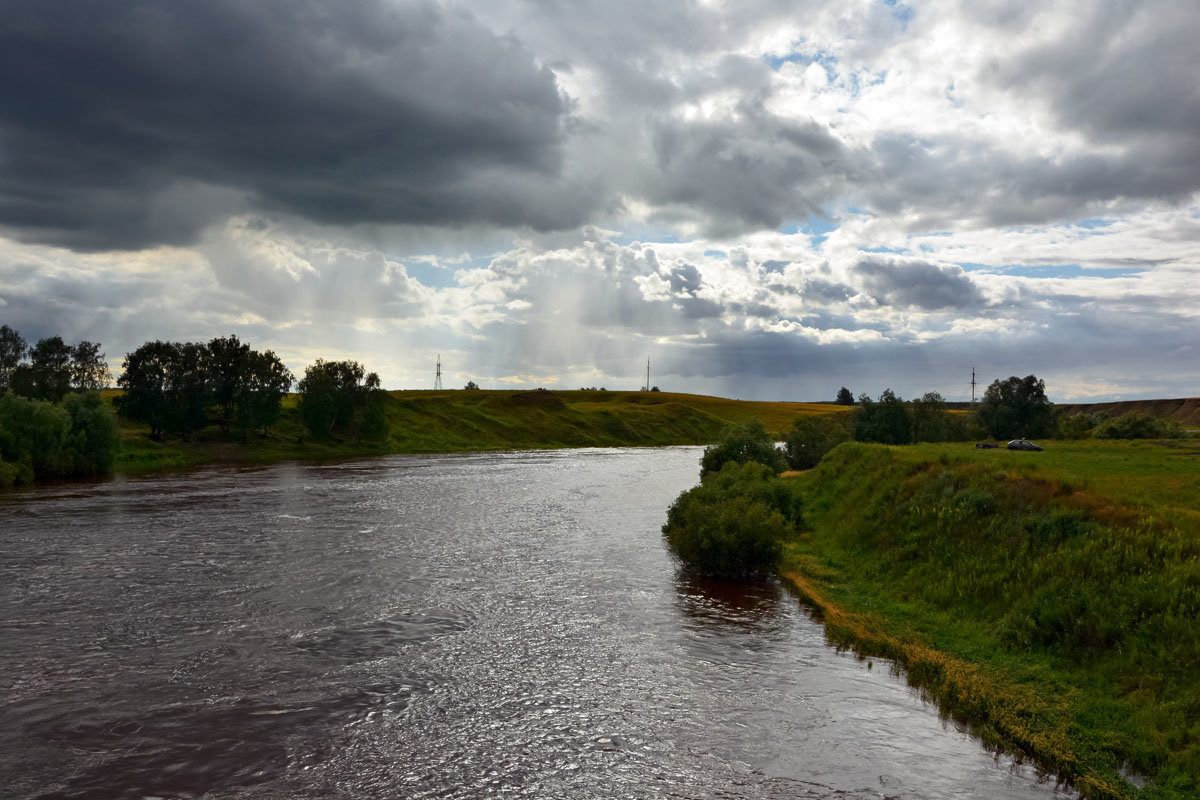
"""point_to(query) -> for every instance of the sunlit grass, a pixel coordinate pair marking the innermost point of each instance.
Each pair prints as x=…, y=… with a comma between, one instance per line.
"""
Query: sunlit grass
x=1052, y=599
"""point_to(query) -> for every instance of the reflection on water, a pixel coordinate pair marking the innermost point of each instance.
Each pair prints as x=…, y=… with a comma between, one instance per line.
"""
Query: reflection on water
x=428, y=627
x=725, y=605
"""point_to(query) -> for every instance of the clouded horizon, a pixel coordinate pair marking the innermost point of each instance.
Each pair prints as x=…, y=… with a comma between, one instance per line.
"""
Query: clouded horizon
x=769, y=200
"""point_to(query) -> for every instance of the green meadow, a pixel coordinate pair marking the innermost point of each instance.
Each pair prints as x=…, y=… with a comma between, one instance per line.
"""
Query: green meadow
x=1050, y=599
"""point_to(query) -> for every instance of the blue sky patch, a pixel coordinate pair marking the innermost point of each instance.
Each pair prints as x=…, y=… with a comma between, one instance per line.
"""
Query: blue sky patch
x=817, y=226
x=439, y=277
x=1054, y=270
x=901, y=11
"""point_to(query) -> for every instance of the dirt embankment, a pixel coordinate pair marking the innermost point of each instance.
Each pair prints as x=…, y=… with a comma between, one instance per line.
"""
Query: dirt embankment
x=1186, y=410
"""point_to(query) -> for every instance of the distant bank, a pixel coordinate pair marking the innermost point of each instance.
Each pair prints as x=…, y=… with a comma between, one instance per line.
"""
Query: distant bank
x=1184, y=409
x=454, y=421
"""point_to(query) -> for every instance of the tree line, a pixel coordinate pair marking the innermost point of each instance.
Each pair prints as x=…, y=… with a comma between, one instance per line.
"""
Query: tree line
x=1010, y=408
x=54, y=422
x=178, y=388
x=51, y=368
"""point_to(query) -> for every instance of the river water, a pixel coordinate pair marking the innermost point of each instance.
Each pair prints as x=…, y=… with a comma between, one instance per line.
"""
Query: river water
x=430, y=626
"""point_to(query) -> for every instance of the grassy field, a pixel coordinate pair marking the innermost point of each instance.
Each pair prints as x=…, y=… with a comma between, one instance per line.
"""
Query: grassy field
x=1051, y=599
x=461, y=421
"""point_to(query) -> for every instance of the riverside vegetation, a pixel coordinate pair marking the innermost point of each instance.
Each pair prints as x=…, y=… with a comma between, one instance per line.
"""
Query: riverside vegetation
x=189, y=403
x=1049, y=599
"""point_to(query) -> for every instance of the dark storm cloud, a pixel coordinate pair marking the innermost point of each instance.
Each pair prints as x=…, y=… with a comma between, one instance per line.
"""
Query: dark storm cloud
x=917, y=284
x=126, y=123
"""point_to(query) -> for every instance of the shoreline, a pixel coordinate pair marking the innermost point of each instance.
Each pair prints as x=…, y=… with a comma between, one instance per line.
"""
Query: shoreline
x=1041, y=599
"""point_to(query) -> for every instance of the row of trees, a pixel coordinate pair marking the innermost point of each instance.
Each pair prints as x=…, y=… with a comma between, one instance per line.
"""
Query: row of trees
x=51, y=368
x=178, y=387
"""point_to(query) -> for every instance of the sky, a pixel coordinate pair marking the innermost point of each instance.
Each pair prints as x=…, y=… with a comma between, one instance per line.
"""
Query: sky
x=768, y=199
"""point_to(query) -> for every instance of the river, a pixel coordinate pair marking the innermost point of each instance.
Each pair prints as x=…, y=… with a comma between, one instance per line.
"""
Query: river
x=430, y=626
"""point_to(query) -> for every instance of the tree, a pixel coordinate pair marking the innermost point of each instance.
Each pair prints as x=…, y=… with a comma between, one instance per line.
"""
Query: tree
x=814, y=435
x=144, y=381
x=93, y=439
x=334, y=396
x=166, y=387
x=1016, y=407
x=930, y=420
x=471, y=386
x=33, y=436
x=374, y=425
x=886, y=421
x=12, y=351
x=89, y=369
x=49, y=369
x=260, y=393
x=227, y=363
x=844, y=398
x=748, y=441
x=189, y=390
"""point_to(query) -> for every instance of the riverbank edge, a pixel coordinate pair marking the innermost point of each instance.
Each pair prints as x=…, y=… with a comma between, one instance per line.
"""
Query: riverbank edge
x=422, y=422
x=997, y=710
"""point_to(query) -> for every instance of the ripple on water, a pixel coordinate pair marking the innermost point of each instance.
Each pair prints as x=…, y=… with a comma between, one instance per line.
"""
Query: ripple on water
x=458, y=626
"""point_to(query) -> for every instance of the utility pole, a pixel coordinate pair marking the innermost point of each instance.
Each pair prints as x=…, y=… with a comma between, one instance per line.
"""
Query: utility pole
x=972, y=386
x=646, y=388
x=437, y=380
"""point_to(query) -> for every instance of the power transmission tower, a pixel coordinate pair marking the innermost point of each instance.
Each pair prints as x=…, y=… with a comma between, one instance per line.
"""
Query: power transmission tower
x=437, y=381
x=646, y=388
x=972, y=385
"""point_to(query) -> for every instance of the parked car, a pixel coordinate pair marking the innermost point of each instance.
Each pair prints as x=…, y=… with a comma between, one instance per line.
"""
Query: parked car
x=985, y=446
x=1024, y=444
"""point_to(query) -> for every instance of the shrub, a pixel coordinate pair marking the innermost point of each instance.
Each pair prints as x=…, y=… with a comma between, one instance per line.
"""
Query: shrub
x=1074, y=426
x=33, y=433
x=742, y=443
x=887, y=421
x=1135, y=425
x=733, y=524
x=93, y=438
x=813, y=436
x=39, y=438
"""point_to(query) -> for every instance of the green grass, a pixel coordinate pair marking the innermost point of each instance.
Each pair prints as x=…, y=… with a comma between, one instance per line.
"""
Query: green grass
x=461, y=421
x=1052, y=599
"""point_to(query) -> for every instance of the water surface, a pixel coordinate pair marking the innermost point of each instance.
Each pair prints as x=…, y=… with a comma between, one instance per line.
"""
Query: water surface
x=440, y=626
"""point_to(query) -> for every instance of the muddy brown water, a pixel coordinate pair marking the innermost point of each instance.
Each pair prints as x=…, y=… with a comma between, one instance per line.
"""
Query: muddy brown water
x=443, y=626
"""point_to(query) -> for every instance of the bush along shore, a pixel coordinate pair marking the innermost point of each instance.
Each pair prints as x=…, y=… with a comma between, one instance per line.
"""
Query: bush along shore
x=1050, y=600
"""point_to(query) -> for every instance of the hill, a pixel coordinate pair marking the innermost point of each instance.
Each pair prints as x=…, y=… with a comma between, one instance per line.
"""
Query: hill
x=461, y=421
x=1185, y=409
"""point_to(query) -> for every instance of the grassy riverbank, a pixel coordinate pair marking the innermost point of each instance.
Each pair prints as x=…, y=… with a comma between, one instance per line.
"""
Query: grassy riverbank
x=463, y=421
x=1051, y=599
